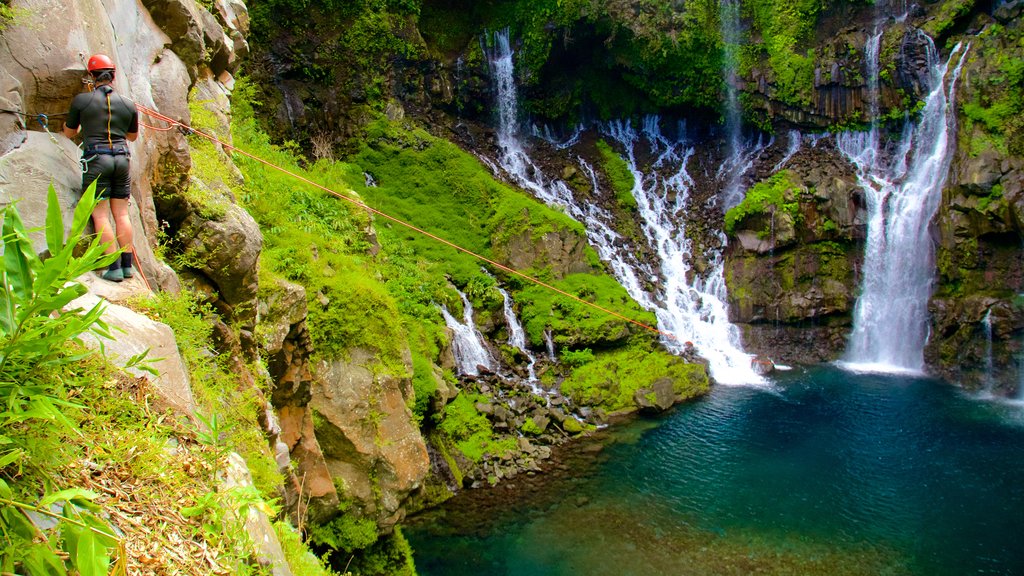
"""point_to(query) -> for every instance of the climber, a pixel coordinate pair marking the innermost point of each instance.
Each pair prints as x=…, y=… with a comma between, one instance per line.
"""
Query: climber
x=108, y=121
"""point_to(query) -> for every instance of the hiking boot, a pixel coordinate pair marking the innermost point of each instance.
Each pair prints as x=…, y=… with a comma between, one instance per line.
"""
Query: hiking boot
x=128, y=272
x=115, y=275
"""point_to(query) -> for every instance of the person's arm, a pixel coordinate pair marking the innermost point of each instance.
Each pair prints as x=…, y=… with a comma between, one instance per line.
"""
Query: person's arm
x=73, y=124
x=133, y=127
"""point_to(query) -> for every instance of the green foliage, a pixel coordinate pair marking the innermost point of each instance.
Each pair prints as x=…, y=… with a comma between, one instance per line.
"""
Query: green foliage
x=346, y=532
x=948, y=14
x=618, y=172
x=777, y=193
x=351, y=45
x=424, y=386
x=997, y=106
x=573, y=323
x=782, y=28
x=470, y=430
x=37, y=335
x=612, y=378
x=301, y=561
x=390, y=555
x=577, y=358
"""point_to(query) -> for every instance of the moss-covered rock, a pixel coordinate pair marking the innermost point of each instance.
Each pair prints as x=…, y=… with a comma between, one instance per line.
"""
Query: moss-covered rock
x=635, y=377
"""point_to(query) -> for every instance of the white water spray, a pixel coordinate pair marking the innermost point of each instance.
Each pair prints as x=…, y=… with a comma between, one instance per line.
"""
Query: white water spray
x=517, y=336
x=467, y=342
x=989, y=379
x=692, y=313
x=795, y=139
x=903, y=190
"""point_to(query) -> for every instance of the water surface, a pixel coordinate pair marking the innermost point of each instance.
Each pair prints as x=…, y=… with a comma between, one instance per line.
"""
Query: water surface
x=826, y=473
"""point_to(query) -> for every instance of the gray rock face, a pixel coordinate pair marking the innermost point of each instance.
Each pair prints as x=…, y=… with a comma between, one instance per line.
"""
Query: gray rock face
x=226, y=251
x=134, y=334
x=562, y=250
x=367, y=434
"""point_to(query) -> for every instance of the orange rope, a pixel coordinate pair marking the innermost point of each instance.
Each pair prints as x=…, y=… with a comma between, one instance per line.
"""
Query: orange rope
x=400, y=222
x=144, y=125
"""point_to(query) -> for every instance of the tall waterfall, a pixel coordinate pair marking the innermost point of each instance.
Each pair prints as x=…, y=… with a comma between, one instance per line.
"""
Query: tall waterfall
x=467, y=342
x=692, y=313
x=903, y=188
x=729, y=26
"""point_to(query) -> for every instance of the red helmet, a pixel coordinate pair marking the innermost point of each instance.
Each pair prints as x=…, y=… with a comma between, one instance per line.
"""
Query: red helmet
x=100, y=62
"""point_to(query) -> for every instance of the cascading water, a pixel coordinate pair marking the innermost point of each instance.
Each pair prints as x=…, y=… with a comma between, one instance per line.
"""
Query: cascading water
x=467, y=343
x=903, y=191
x=795, y=139
x=518, y=165
x=691, y=313
x=517, y=336
x=549, y=346
x=729, y=26
x=986, y=325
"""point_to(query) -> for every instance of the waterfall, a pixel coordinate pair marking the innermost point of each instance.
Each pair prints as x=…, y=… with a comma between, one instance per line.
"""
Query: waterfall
x=549, y=345
x=694, y=311
x=517, y=336
x=691, y=313
x=903, y=189
x=467, y=342
x=795, y=139
x=517, y=164
x=729, y=26
x=986, y=324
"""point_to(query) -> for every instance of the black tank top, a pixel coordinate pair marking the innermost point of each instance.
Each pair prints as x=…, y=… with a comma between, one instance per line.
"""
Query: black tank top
x=105, y=117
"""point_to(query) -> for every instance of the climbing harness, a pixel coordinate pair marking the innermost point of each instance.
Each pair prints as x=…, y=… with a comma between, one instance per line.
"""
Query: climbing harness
x=154, y=114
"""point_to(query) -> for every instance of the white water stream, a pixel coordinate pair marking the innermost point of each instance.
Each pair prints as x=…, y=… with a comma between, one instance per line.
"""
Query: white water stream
x=517, y=336
x=467, y=342
x=903, y=183
x=694, y=312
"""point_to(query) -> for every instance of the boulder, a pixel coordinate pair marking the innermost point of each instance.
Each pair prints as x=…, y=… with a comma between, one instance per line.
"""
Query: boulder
x=658, y=397
x=226, y=250
x=371, y=443
x=133, y=334
x=287, y=347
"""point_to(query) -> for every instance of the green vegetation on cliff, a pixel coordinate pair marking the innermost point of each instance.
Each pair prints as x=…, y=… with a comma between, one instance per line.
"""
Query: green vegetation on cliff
x=997, y=106
x=776, y=194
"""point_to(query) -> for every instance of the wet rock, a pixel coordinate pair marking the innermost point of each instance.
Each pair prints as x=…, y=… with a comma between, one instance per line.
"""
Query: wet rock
x=658, y=397
x=762, y=365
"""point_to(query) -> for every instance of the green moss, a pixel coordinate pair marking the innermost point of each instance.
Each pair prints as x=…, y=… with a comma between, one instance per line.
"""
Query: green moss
x=948, y=14
x=618, y=173
x=531, y=428
x=575, y=324
x=778, y=193
x=470, y=430
x=610, y=381
x=782, y=29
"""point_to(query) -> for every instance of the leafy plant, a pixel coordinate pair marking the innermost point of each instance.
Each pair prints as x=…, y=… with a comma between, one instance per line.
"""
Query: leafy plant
x=35, y=329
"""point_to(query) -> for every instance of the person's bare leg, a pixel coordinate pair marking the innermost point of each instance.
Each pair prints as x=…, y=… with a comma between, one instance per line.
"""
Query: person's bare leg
x=101, y=222
x=123, y=222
